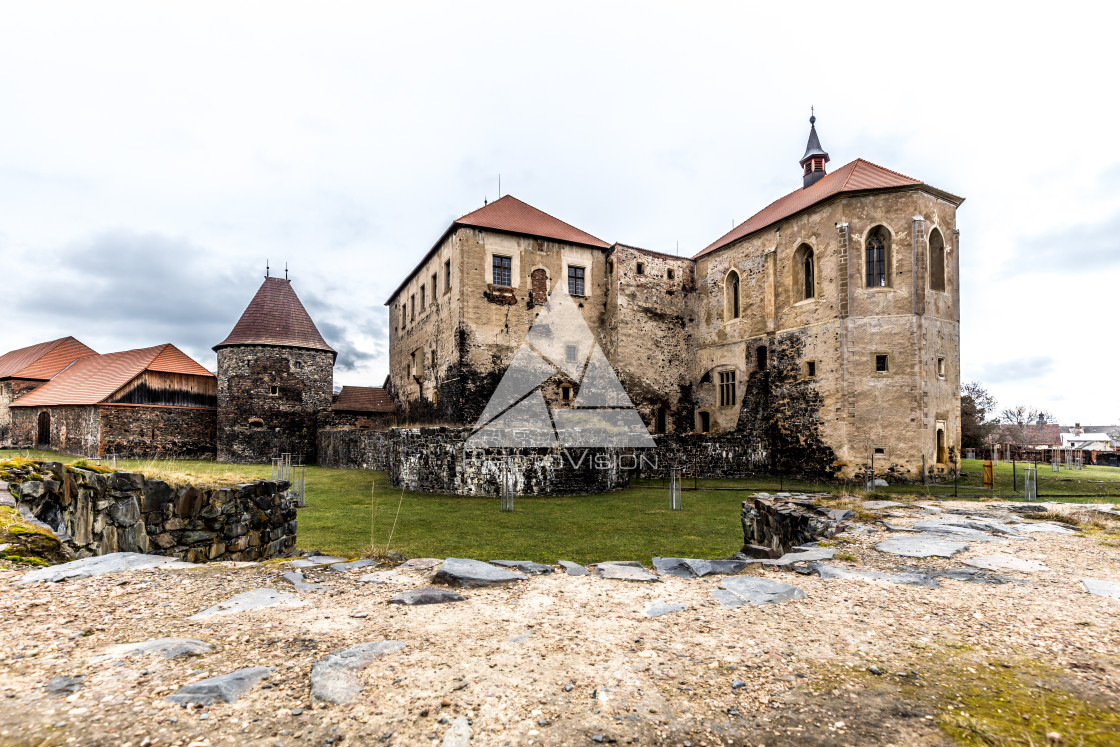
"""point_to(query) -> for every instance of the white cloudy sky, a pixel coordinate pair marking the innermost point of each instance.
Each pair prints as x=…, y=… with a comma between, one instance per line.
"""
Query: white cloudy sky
x=153, y=155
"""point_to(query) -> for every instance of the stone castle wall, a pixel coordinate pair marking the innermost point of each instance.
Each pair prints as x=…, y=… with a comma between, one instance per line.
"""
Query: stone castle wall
x=270, y=400
x=97, y=514
x=133, y=431
x=11, y=390
x=353, y=448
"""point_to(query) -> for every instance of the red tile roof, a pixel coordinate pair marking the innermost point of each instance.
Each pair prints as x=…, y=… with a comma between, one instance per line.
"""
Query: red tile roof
x=41, y=362
x=95, y=378
x=511, y=215
x=364, y=399
x=857, y=176
x=276, y=316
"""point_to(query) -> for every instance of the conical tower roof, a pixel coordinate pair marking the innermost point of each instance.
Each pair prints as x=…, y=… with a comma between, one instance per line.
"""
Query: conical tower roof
x=276, y=316
x=813, y=147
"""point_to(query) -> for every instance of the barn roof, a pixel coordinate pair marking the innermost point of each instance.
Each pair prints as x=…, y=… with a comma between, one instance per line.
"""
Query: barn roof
x=94, y=379
x=511, y=215
x=276, y=316
x=364, y=399
x=857, y=176
x=41, y=362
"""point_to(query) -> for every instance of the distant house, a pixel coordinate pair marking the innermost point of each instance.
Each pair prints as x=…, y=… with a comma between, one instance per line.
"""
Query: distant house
x=27, y=369
x=363, y=407
x=148, y=402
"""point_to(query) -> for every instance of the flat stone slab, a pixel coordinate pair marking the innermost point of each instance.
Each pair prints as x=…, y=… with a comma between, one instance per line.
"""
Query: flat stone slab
x=334, y=679
x=313, y=561
x=1006, y=563
x=468, y=573
x=879, y=505
x=254, y=599
x=802, y=556
x=1101, y=587
x=414, y=597
x=1044, y=527
x=383, y=577
x=100, y=565
x=459, y=735
x=658, y=608
x=953, y=525
x=625, y=571
x=295, y=578
x=754, y=590
x=919, y=546
x=353, y=565
x=694, y=568
x=420, y=564
x=168, y=648
x=910, y=578
x=63, y=686
x=896, y=527
x=224, y=687
x=573, y=569
x=527, y=567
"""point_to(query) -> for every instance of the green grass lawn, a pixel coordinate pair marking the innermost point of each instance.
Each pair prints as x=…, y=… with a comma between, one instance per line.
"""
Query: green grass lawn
x=355, y=512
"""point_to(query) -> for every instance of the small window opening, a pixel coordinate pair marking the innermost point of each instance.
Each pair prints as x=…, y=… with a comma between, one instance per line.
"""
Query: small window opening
x=412, y=306
x=641, y=268
x=882, y=364
x=671, y=273
x=879, y=450
x=760, y=357
x=705, y=422
x=571, y=354
x=433, y=358
x=447, y=276
x=423, y=297
x=811, y=369
x=941, y=367
x=566, y=393
x=435, y=287
x=610, y=266
x=726, y=388
x=274, y=390
x=733, y=295
x=662, y=420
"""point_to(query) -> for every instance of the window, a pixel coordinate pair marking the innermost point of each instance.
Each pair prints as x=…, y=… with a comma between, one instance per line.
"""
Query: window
x=732, y=292
x=412, y=364
x=875, y=261
x=880, y=451
x=936, y=261
x=610, y=266
x=726, y=388
x=297, y=365
x=404, y=315
x=760, y=358
x=503, y=270
x=641, y=268
x=571, y=353
x=435, y=287
x=566, y=393
x=804, y=274
x=447, y=276
x=705, y=422
x=274, y=390
x=942, y=452
x=671, y=273
x=662, y=420
x=433, y=358
x=810, y=369
x=941, y=367
x=882, y=363
x=575, y=281
x=412, y=306
x=423, y=301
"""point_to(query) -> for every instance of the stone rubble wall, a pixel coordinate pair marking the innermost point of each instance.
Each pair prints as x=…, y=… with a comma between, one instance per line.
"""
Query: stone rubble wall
x=780, y=523
x=97, y=514
x=353, y=448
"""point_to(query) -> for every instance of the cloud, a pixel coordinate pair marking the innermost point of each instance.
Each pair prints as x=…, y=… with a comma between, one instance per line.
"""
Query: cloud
x=1020, y=369
x=1086, y=248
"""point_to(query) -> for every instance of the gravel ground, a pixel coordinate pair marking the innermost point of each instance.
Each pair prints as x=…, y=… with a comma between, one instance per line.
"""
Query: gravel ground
x=557, y=659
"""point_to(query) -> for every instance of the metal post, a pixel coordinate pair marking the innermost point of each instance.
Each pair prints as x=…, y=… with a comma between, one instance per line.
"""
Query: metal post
x=1014, y=485
x=675, y=489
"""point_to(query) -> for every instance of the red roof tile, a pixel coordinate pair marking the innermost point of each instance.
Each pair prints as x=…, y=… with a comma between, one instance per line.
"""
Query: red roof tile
x=275, y=316
x=364, y=399
x=857, y=176
x=95, y=378
x=41, y=362
x=511, y=215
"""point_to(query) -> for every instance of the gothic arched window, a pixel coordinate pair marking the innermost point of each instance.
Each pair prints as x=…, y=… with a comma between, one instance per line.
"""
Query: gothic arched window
x=804, y=273
x=877, y=260
x=936, y=261
x=732, y=293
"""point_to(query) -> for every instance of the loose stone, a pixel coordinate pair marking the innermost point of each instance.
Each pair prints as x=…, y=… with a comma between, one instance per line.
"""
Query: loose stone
x=473, y=573
x=224, y=687
x=414, y=597
x=334, y=679
x=254, y=599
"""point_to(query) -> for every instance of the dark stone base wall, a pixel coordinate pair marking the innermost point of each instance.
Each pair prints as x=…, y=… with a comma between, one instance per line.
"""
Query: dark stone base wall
x=255, y=425
x=97, y=514
x=353, y=448
x=140, y=431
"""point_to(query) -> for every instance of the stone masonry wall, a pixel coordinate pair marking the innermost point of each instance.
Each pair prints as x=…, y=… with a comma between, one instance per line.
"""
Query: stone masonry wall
x=353, y=448
x=136, y=431
x=97, y=514
x=11, y=390
x=269, y=401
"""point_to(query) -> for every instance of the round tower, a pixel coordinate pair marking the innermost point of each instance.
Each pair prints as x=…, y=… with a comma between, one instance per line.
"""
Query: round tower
x=275, y=378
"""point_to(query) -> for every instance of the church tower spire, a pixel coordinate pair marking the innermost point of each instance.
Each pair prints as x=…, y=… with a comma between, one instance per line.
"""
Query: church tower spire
x=815, y=158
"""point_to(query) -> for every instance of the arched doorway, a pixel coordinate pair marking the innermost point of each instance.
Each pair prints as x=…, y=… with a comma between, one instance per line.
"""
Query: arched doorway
x=43, y=438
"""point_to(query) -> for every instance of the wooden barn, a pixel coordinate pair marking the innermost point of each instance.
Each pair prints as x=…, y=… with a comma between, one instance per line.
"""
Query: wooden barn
x=151, y=402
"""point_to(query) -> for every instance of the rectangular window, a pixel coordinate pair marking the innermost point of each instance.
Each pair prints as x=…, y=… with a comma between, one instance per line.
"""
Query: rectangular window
x=882, y=363
x=423, y=297
x=671, y=273
x=575, y=281
x=571, y=354
x=941, y=367
x=404, y=316
x=435, y=287
x=412, y=306
x=298, y=365
x=274, y=390
x=447, y=276
x=726, y=388
x=433, y=359
x=412, y=364
x=565, y=393
x=641, y=268
x=503, y=271
x=811, y=369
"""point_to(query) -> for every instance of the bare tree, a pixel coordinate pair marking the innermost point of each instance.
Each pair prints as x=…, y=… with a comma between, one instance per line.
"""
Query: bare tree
x=1019, y=419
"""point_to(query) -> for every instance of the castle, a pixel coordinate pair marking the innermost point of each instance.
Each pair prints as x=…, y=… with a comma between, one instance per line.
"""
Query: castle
x=822, y=334
x=819, y=337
